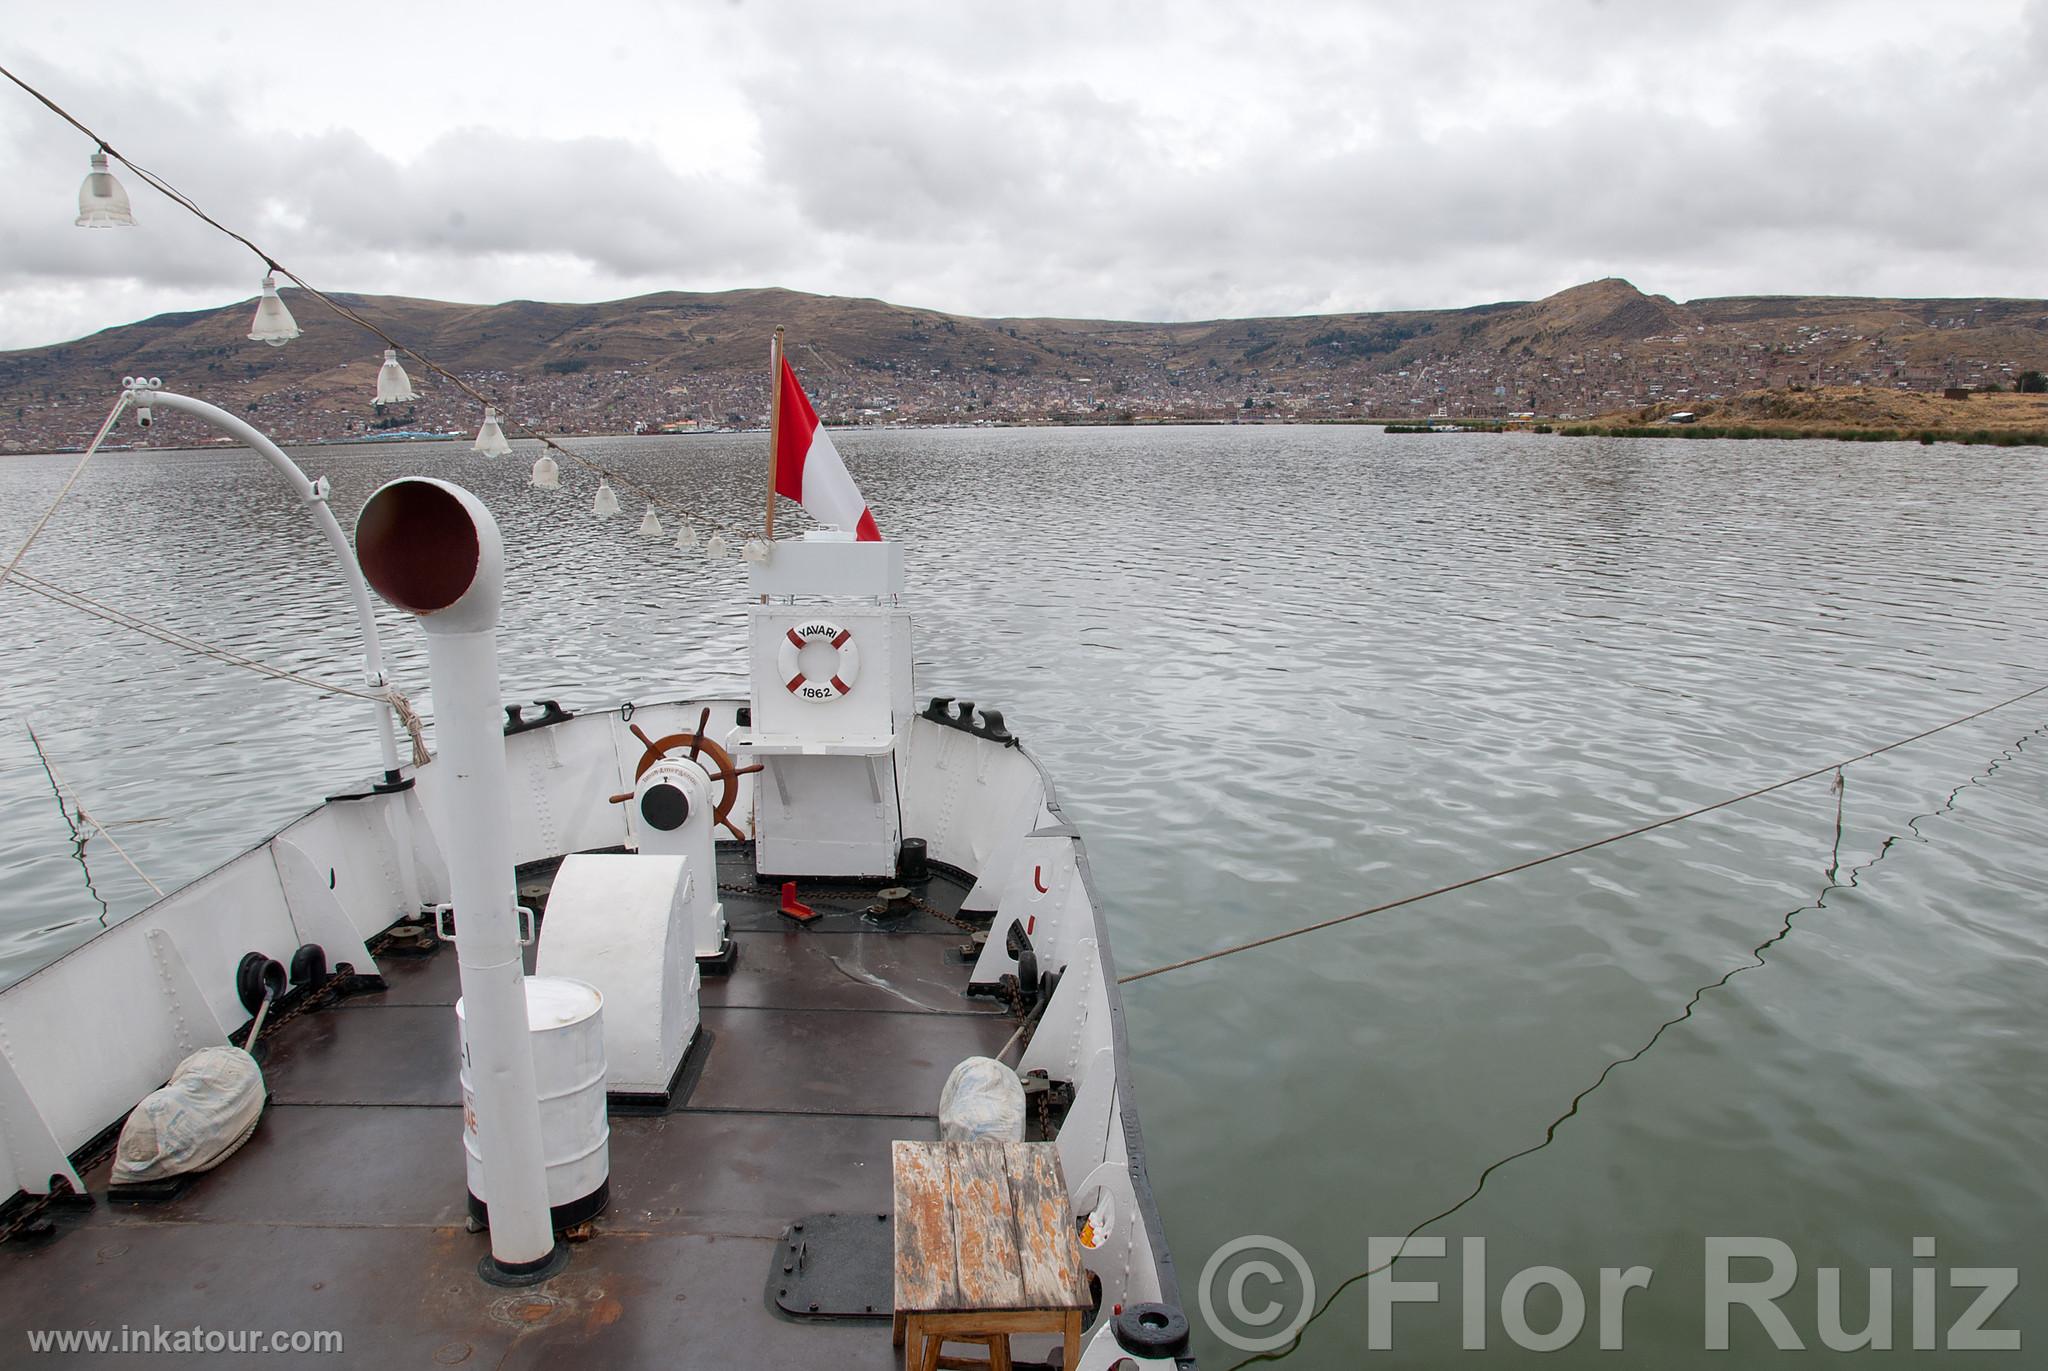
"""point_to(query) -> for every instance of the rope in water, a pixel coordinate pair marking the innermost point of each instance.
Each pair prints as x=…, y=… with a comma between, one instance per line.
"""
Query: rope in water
x=506, y=415
x=1835, y=878
x=85, y=604
x=57, y=784
x=1637, y=831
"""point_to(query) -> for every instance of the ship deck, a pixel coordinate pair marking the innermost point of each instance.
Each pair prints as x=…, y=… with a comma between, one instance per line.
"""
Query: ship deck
x=346, y=1210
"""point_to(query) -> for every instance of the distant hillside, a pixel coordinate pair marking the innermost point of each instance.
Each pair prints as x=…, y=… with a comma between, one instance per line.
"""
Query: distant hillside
x=675, y=358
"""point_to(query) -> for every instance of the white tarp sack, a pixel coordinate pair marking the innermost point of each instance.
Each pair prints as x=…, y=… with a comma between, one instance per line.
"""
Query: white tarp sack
x=982, y=1099
x=194, y=1123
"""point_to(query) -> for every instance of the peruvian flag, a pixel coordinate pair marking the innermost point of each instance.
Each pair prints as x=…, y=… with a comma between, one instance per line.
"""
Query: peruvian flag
x=808, y=468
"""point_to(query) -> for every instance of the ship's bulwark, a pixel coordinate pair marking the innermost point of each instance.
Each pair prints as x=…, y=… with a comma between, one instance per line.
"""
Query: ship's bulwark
x=818, y=1049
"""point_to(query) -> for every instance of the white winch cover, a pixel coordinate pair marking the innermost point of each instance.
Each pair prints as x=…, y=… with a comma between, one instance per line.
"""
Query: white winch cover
x=982, y=1099
x=208, y=1109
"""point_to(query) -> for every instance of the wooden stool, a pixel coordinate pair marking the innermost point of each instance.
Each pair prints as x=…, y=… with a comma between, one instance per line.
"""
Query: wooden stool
x=985, y=1248
x=927, y=1347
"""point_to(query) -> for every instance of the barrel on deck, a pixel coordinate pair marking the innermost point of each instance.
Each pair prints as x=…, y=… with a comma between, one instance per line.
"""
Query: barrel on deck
x=565, y=1020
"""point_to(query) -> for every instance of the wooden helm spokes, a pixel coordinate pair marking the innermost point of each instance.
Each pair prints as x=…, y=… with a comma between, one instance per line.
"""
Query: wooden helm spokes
x=707, y=753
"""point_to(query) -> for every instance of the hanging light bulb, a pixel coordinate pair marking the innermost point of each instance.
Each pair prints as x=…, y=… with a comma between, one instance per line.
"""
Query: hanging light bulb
x=101, y=201
x=716, y=548
x=546, y=475
x=274, y=323
x=393, y=385
x=607, y=502
x=490, y=439
x=686, y=536
x=755, y=551
x=650, y=524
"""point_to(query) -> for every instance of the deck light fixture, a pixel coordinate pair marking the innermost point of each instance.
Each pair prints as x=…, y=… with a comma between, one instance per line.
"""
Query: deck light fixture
x=650, y=523
x=274, y=323
x=607, y=502
x=717, y=549
x=686, y=536
x=393, y=385
x=102, y=203
x=547, y=474
x=490, y=439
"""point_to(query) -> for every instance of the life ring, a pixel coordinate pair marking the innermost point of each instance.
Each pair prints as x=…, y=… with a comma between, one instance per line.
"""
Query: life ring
x=844, y=673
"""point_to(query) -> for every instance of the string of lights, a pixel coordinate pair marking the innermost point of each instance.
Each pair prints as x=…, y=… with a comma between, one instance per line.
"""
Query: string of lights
x=103, y=203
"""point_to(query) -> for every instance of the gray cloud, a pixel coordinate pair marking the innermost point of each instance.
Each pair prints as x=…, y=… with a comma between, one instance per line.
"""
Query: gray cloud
x=1153, y=160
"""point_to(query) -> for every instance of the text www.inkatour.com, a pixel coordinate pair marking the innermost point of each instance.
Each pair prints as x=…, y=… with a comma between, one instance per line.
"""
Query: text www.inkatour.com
x=161, y=1341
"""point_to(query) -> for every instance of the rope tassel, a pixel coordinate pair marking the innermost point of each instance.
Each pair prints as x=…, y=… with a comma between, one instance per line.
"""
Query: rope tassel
x=414, y=728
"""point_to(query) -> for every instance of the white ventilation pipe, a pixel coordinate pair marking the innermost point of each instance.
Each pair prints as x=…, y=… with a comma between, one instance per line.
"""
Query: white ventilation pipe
x=432, y=549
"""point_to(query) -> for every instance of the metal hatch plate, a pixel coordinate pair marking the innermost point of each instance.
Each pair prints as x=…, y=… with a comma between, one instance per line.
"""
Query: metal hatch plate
x=835, y=1266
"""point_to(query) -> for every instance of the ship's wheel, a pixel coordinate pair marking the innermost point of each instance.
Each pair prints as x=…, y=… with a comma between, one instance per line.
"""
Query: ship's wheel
x=707, y=753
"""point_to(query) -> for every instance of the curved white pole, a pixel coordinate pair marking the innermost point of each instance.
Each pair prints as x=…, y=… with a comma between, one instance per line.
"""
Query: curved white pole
x=314, y=494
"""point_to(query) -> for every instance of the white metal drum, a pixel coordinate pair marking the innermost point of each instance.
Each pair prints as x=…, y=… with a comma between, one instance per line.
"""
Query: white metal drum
x=565, y=1021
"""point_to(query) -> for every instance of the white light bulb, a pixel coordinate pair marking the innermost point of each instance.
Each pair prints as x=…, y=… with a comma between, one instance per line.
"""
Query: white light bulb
x=490, y=439
x=102, y=204
x=393, y=385
x=274, y=323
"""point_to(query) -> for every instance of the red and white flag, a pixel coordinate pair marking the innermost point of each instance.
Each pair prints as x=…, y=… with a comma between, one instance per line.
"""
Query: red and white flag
x=808, y=468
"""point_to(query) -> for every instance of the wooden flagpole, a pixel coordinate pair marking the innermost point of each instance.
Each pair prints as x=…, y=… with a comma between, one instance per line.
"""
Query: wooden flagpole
x=774, y=426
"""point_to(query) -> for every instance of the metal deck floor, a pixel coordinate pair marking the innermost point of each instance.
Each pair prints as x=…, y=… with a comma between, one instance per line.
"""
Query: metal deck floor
x=345, y=1210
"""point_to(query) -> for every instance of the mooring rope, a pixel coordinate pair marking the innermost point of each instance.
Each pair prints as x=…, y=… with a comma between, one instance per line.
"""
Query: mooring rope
x=65, y=489
x=1835, y=880
x=270, y=263
x=85, y=604
x=1637, y=831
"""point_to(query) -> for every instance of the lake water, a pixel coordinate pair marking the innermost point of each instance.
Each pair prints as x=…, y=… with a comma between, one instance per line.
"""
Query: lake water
x=1280, y=674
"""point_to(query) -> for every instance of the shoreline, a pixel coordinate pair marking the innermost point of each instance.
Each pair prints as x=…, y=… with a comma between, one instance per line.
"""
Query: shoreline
x=1979, y=437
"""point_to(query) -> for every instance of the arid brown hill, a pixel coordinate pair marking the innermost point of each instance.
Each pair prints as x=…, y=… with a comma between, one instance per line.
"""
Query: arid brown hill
x=676, y=357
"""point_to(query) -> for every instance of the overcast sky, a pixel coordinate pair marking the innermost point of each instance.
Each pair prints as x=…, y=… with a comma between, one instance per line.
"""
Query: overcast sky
x=1128, y=160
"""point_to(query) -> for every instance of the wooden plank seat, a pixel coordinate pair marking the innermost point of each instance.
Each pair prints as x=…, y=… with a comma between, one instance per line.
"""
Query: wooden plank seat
x=985, y=1248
